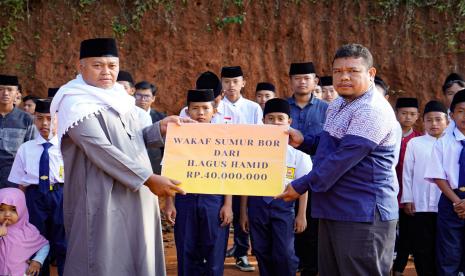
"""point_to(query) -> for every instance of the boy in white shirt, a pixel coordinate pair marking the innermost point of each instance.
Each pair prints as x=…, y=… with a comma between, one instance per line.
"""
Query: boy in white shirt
x=420, y=197
x=272, y=222
x=447, y=169
x=38, y=169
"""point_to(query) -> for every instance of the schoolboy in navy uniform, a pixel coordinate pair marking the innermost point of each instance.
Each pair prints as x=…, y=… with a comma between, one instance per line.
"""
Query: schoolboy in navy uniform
x=447, y=169
x=38, y=169
x=419, y=197
x=201, y=221
x=272, y=222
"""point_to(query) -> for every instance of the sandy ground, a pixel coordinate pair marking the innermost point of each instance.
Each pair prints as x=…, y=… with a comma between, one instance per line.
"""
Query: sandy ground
x=230, y=270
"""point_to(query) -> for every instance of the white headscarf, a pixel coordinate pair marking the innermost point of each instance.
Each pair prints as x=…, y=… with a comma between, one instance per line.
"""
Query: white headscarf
x=76, y=101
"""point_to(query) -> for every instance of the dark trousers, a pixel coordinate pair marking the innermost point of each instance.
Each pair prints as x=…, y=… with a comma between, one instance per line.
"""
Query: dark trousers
x=424, y=242
x=198, y=234
x=272, y=234
x=356, y=248
x=450, y=238
x=404, y=241
x=306, y=244
x=241, y=238
x=46, y=213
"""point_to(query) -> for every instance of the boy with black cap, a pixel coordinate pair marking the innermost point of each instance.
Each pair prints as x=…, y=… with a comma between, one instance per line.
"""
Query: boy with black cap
x=329, y=94
x=38, y=169
x=232, y=81
x=201, y=220
x=126, y=80
x=225, y=114
x=16, y=127
x=272, y=222
x=264, y=92
x=419, y=197
x=308, y=116
x=446, y=168
x=407, y=115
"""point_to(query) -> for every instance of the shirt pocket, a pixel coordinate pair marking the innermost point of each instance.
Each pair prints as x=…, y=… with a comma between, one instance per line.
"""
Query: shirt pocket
x=12, y=138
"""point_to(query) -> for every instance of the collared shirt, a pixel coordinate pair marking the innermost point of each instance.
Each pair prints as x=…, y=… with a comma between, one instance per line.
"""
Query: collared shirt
x=353, y=173
x=298, y=164
x=308, y=120
x=416, y=189
x=156, y=115
x=225, y=114
x=16, y=128
x=25, y=169
x=400, y=165
x=444, y=161
x=251, y=111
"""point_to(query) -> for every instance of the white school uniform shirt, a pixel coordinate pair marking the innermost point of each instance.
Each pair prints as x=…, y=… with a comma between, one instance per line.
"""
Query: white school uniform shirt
x=444, y=161
x=424, y=194
x=298, y=164
x=25, y=169
x=225, y=114
x=251, y=111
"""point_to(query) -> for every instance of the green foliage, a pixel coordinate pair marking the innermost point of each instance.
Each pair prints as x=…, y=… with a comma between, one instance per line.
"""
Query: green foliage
x=236, y=19
x=119, y=29
x=14, y=10
x=85, y=3
x=405, y=11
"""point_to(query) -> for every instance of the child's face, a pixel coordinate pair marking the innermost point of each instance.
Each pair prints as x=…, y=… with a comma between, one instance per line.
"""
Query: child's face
x=43, y=122
x=232, y=87
x=303, y=84
x=459, y=116
x=8, y=213
x=262, y=96
x=435, y=123
x=450, y=92
x=318, y=92
x=407, y=116
x=329, y=94
x=201, y=112
x=277, y=118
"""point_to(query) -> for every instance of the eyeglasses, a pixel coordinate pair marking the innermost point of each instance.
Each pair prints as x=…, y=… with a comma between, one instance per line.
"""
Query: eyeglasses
x=143, y=97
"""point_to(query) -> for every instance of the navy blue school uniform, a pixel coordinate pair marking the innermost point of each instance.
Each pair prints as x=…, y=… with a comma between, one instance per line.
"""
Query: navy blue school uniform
x=271, y=223
x=38, y=166
x=450, y=240
x=199, y=236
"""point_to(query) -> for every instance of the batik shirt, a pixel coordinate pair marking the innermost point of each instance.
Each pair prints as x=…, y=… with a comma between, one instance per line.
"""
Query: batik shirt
x=353, y=173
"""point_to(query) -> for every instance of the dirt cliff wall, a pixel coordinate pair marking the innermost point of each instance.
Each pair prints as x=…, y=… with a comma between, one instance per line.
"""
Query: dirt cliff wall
x=414, y=47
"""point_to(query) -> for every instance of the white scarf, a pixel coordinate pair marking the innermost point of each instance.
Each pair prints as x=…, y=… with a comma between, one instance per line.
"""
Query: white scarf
x=76, y=101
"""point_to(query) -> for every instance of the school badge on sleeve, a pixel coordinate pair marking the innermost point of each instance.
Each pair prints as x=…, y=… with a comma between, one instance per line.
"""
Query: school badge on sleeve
x=290, y=173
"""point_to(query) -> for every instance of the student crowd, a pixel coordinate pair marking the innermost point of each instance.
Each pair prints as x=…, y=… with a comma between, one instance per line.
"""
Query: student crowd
x=79, y=171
